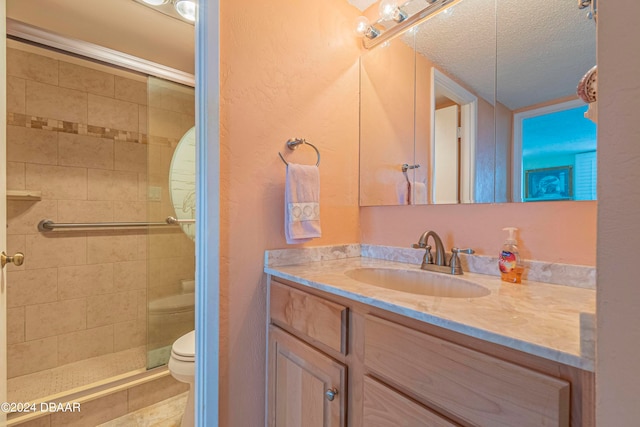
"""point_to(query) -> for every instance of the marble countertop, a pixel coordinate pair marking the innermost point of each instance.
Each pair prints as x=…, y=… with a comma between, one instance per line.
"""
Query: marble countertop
x=537, y=318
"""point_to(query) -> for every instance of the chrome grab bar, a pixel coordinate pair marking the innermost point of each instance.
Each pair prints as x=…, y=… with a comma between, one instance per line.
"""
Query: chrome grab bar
x=48, y=225
x=173, y=220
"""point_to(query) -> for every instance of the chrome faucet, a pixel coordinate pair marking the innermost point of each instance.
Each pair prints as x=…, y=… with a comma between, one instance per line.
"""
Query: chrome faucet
x=440, y=263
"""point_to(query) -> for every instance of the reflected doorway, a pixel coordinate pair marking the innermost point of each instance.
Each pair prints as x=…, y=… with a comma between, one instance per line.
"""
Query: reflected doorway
x=453, y=149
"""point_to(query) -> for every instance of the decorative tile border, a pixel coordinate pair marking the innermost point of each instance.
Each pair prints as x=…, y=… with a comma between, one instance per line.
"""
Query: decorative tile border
x=54, y=125
x=43, y=123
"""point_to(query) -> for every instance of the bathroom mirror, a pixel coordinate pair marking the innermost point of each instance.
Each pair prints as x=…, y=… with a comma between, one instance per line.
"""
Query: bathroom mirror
x=182, y=181
x=387, y=87
x=485, y=105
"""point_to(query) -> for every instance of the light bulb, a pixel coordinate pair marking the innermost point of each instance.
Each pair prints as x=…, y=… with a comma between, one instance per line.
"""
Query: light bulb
x=155, y=2
x=186, y=9
x=387, y=9
x=362, y=25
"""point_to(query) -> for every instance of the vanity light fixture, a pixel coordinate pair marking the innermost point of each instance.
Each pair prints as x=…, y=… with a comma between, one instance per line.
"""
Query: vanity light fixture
x=184, y=10
x=379, y=31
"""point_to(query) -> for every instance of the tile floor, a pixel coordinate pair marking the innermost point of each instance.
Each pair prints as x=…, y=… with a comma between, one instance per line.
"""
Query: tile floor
x=31, y=387
x=167, y=413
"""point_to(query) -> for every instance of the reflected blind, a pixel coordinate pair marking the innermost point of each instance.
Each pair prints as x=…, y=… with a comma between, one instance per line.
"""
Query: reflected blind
x=586, y=173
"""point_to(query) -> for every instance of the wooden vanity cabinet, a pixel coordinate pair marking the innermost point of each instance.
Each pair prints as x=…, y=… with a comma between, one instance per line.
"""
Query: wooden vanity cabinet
x=389, y=371
x=306, y=386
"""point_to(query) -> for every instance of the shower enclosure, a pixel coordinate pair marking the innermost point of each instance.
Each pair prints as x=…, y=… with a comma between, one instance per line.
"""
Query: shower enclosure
x=89, y=144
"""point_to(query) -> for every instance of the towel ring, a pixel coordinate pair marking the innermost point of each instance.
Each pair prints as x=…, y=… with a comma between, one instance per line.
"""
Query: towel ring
x=293, y=144
x=406, y=167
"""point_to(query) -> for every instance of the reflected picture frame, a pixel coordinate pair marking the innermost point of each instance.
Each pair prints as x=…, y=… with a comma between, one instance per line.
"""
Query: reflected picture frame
x=548, y=184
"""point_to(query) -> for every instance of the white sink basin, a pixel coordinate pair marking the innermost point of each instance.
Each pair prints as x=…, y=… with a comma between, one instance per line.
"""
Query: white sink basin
x=418, y=282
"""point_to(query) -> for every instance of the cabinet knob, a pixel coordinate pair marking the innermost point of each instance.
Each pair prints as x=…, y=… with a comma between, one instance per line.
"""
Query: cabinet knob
x=331, y=394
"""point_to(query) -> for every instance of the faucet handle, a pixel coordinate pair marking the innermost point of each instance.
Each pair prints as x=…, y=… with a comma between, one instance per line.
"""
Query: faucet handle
x=456, y=268
x=462, y=251
x=428, y=258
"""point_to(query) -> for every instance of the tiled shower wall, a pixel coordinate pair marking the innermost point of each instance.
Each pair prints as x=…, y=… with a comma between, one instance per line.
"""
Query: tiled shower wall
x=77, y=133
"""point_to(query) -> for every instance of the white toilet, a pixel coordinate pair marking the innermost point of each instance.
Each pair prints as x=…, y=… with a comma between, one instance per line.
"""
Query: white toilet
x=182, y=368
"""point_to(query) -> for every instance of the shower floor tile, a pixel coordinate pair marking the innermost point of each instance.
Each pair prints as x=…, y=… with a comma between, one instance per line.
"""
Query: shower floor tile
x=167, y=413
x=33, y=387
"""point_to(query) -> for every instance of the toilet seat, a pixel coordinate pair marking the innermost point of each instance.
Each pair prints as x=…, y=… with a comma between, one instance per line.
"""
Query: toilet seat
x=187, y=359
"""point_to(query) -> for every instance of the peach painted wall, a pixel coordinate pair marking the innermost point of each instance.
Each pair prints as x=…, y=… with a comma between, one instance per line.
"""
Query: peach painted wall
x=618, y=322
x=296, y=76
x=562, y=232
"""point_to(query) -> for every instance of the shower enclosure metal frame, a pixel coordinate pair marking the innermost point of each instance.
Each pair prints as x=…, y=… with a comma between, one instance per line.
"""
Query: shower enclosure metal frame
x=25, y=32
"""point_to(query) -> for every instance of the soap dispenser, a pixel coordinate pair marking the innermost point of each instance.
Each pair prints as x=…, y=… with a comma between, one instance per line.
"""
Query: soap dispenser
x=509, y=261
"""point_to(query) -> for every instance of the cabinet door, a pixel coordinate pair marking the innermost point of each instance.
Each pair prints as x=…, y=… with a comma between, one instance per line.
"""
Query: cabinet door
x=306, y=387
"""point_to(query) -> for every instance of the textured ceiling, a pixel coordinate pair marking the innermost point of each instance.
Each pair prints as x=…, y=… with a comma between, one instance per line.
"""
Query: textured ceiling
x=462, y=42
x=542, y=48
x=362, y=4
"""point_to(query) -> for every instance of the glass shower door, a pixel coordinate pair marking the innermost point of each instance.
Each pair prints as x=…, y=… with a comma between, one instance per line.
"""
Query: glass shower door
x=171, y=250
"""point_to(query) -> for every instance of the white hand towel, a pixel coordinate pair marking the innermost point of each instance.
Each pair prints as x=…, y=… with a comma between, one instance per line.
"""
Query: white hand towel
x=302, y=203
x=418, y=193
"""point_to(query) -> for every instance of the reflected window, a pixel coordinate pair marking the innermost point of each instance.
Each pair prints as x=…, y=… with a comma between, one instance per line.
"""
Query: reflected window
x=558, y=153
